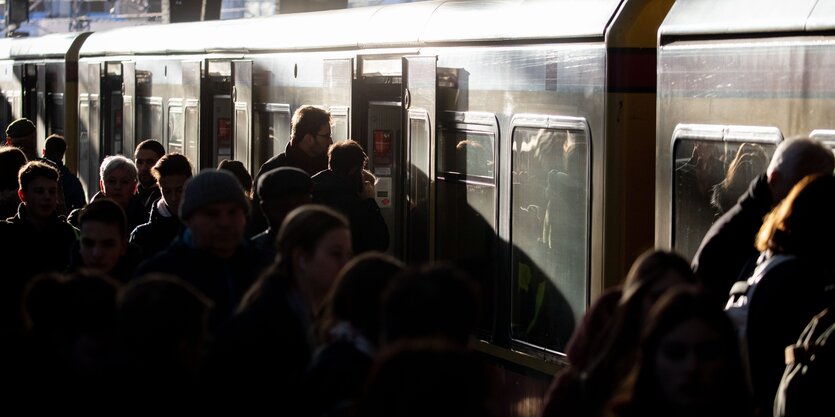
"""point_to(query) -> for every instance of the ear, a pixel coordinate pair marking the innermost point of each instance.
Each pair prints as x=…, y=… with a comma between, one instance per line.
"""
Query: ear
x=8, y=141
x=299, y=259
x=21, y=195
x=101, y=185
x=135, y=186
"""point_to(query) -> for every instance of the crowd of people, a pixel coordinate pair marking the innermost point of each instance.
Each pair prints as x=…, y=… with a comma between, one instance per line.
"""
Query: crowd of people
x=193, y=291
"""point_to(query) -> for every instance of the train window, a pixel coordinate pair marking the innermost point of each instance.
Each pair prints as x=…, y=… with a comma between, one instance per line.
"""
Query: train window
x=827, y=136
x=339, y=130
x=550, y=203
x=467, y=201
x=149, y=118
x=176, y=130
x=713, y=166
x=272, y=131
x=55, y=113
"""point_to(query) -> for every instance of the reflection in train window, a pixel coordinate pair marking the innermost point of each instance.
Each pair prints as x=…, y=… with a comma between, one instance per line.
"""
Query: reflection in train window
x=466, y=203
x=550, y=228
x=466, y=153
x=710, y=173
x=149, y=119
x=55, y=112
x=272, y=131
x=176, y=130
x=339, y=129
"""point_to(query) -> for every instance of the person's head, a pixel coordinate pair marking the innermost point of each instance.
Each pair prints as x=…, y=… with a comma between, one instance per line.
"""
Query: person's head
x=348, y=159
x=796, y=226
x=313, y=245
x=689, y=360
x=794, y=159
x=164, y=318
x=652, y=274
x=21, y=134
x=55, y=147
x=437, y=301
x=171, y=173
x=281, y=190
x=39, y=189
x=215, y=210
x=311, y=130
x=356, y=297
x=118, y=179
x=11, y=160
x=238, y=169
x=103, y=235
x=146, y=155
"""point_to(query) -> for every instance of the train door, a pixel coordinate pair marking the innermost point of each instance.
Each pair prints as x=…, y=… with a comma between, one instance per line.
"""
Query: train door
x=242, y=102
x=338, y=78
x=112, y=106
x=216, y=121
x=191, y=112
x=89, y=142
x=27, y=103
x=419, y=101
x=128, y=107
x=41, y=118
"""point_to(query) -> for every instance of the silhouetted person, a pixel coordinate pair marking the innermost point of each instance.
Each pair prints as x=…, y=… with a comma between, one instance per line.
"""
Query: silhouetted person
x=53, y=152
x=281, y=190
x=729, y=244
x=21, y=134
x=342, y=187
x=11, y=160
x=118, y=182
x=103, y=241
x=146, y=155
x=171, y=173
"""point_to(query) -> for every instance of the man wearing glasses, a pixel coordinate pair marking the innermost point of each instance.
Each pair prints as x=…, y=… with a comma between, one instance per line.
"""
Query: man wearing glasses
x=310, y=138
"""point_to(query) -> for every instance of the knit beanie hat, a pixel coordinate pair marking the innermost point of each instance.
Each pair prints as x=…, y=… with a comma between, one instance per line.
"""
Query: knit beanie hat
x=283, y=182
x=211, y=186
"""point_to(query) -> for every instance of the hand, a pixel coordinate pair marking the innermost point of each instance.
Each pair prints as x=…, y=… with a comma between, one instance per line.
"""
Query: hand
x=367, y=190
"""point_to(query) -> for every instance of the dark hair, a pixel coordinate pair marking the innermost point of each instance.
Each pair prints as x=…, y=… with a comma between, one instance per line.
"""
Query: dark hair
x=172, y=164
x=238, y=169
x=36, y=169
x=302, y=229
x=11, y=160
x=356, y=296
x=437, y=300
x=346, y=156
x=55, y=145
x=151, y=145
x=106, y=211
x=308, y=120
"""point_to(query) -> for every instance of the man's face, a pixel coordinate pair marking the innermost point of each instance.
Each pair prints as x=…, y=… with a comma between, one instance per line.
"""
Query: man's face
x=218, y=227
x=317, y=144
x=172, y=190
x=145, y=160
x=40, y=197
x=119, y=185
x=102, y=245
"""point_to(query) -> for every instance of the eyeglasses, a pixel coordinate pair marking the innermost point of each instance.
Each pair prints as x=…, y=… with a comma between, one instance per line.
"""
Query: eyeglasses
x=328, y=136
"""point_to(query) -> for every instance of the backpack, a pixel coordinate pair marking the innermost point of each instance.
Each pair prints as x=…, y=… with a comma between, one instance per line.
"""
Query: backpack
x=806, y=386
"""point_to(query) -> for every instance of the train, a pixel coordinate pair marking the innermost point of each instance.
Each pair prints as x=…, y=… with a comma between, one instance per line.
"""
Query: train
x=542, y=145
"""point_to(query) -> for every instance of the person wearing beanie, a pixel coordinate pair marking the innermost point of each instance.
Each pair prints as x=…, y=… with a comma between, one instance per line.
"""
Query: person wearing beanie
x=280, y=190
x=21, y=134
x=212, y=254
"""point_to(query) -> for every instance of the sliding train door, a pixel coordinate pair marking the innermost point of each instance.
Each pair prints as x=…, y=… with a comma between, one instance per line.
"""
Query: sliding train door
x=227, y=90
x=191, y=112
x=89, y=129
x=112, y=106
x=419, y=107
x=242, y=108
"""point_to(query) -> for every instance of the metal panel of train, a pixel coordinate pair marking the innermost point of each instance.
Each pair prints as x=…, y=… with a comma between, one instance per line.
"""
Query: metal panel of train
x=729, y=90
x=515, y=139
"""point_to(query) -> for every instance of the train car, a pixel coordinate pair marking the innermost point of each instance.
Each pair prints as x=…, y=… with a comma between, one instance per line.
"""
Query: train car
x=38, y=80
x=729, y=90
x=513, y=138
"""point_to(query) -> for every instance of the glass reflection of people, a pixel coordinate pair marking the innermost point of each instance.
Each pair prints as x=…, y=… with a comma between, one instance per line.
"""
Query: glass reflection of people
x=750, y=160
x=695, y=179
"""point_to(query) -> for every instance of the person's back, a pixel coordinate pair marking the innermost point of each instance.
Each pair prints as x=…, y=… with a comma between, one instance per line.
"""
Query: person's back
x=70, y=185
x=729, y=244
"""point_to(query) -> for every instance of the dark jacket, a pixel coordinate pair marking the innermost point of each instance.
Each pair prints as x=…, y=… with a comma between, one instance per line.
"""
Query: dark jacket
x=27, y=252
x=124, y=269
x=368, y=228
x=265, y=350
x=135, y=213
x=74, y=196
x=156, y=235
x=147, y=196
x=224, y=281
x=266, y=240
x=729, y=244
